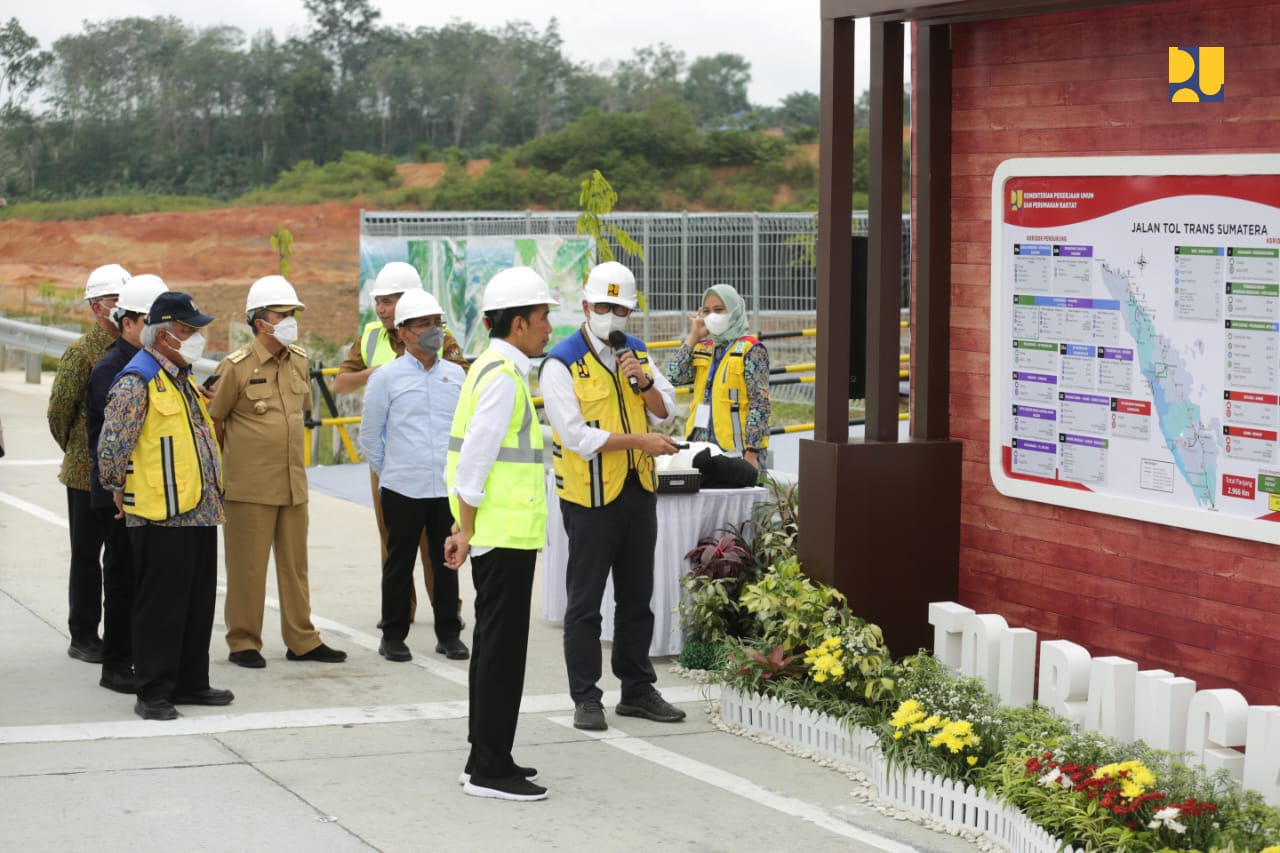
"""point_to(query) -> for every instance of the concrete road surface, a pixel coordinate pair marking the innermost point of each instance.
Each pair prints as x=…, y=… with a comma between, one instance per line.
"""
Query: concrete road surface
x=358, y=756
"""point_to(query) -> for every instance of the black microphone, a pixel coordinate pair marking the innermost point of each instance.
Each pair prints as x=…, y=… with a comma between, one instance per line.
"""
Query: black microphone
x=618, y=341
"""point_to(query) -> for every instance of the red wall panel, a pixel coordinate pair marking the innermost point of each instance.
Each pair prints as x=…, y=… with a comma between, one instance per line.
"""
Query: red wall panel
x=1088, y=83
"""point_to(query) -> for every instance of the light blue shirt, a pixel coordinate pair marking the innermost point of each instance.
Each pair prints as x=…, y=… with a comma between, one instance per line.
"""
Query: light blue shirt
x=408, y=411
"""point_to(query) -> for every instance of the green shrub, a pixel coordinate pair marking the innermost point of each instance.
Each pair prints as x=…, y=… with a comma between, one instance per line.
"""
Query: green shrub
x=699, y=655
x=354, y=174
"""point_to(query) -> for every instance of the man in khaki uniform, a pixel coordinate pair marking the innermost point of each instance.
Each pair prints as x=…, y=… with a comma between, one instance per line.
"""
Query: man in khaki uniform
x=258, y=408
x=379, y=344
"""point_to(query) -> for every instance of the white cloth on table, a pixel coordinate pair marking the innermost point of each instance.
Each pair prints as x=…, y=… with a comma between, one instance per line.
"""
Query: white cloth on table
x=682, y=521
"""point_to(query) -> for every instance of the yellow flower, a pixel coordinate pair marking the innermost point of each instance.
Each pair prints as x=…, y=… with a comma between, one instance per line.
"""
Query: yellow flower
x=819, y=677
x=955, y=735
x=972, y=760
x=1134, y=777
x=837, y=671
x=908, y=712
x=933, y=722
x=898, y=736
x=831, y=643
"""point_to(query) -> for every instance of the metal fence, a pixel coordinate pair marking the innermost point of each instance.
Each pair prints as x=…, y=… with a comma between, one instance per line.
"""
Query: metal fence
x=768, y=257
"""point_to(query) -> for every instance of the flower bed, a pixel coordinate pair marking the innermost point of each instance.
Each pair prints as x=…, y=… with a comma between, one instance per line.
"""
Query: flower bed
x=798, y=667
x=945, y=803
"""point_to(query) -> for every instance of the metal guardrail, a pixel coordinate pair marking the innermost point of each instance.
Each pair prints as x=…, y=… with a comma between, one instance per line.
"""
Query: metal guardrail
x=37, y=341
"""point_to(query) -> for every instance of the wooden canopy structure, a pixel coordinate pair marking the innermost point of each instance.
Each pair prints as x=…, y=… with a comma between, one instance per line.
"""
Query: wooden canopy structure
x=882, y=516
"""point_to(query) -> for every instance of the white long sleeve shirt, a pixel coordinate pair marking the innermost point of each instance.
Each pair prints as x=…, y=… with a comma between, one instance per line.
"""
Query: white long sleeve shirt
x=565, y=414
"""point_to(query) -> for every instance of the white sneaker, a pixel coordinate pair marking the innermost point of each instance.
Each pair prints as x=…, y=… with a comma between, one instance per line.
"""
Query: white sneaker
x=510, y=788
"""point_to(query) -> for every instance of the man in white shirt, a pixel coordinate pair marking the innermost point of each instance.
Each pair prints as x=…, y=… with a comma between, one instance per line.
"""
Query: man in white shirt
x=498, y=496
x=408, y=409
x=601, y=396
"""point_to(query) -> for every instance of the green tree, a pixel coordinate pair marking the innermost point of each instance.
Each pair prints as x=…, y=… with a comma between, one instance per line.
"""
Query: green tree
x=22, y=63
x=652, y=74
x=340, y=28
x=716, y=87
x=799, y=109
x=22, y=67
x=282, y=242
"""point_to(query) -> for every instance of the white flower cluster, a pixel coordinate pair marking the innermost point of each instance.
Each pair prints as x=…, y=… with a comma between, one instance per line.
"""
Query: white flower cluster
x=1167, y=818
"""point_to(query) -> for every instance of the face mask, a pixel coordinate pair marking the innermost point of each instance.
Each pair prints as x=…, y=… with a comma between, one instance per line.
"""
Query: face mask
x=286, y=330
x=431, y=339
x=717, y=324
x=602, y=324
x=192, y=348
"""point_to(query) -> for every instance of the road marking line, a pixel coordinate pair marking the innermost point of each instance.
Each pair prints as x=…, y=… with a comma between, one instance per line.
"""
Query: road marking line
x=302, y=718
x=818, y=815
x=38, y=511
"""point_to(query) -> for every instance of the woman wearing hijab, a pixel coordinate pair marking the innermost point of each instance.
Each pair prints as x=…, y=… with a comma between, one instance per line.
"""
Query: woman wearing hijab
x=729, y=370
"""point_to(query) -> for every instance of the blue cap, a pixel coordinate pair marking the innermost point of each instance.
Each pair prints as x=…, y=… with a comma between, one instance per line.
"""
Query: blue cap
x=177, y=306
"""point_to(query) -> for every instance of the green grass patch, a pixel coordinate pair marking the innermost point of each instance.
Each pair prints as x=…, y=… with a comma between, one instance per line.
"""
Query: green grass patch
x=91, y=208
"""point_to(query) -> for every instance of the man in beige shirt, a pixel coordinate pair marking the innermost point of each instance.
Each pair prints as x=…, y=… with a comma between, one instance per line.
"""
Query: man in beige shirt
x=258, y=407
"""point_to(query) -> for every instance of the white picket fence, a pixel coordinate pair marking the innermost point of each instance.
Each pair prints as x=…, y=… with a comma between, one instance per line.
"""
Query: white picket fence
x=943, y=801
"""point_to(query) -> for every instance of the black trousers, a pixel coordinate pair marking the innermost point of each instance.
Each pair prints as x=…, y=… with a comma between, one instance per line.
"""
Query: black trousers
x=619, y=536
x=177, y=576
x=84, y=590
x=499, y=645
x=117, y=594
x=406, y=519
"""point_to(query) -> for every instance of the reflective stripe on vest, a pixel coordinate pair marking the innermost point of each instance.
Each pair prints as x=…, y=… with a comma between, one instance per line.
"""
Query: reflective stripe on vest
x=166, y=445
x=376, y=347
x=514, y=511
x=729, y=396
x=606, y=403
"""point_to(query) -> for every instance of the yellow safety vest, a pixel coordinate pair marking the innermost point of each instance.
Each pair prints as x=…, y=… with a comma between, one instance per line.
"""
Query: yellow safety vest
x=164, y=477
x=376, y=347
x=514, y=512
x=729, y=400
x=609, y=404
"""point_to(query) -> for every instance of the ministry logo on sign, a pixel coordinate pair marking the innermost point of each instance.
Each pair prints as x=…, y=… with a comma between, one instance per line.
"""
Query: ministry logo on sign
x=1015, y=199
x=1197, y=74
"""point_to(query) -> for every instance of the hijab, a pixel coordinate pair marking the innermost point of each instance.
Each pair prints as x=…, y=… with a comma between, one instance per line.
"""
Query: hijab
x=736, y=309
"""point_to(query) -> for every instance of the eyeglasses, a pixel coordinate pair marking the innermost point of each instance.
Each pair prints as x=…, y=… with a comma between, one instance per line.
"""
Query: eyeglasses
x=704, y=311
x=424, y=323
x=605, y=308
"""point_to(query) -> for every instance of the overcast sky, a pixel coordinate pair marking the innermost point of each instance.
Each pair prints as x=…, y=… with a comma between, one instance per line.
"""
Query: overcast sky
x=780, y=38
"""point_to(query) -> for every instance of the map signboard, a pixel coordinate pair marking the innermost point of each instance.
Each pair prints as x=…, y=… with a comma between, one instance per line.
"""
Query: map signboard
x=1135, y=338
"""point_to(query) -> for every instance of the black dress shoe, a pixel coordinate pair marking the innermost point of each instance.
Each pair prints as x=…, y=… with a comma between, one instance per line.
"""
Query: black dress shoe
x=119, y=680
x=453, y=649
x=208, y=696
x=88, y=650
x=250, y=658
x=395, y=650
x=320, y=654
x=155, y=709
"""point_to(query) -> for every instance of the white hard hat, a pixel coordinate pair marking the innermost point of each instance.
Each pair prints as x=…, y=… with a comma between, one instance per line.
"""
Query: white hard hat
x=272, y=291
x=139, y=292
x=396, y=277
x=105, y=281
x=613, y=283
x=416, y=303
x=515, y=288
